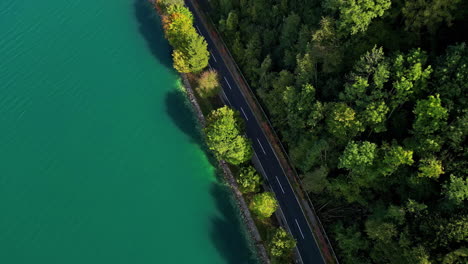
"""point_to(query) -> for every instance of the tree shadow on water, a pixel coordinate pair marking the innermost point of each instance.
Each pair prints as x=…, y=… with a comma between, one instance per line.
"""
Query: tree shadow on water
x=228, y=232
x=179, y=109
x=150, y=28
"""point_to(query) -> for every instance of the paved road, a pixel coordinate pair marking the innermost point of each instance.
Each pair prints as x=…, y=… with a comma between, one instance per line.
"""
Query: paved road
x=273, y=172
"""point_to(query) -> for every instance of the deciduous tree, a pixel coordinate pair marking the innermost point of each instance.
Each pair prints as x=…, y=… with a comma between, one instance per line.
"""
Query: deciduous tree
x=263, y=205
x=208, y=84
x=225, y=138
x=248, y=180
x=281, y=244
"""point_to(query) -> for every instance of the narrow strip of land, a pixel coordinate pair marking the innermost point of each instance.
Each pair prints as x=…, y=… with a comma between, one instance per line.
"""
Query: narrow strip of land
x=290, y=206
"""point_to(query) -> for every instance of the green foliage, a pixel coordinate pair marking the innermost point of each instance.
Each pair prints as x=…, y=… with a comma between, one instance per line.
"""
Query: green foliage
x=410, y=76
x=178, y=25
x=171, y=2
x=281, y=244
x=456, y=189
x=351, y=242
x=416, y=208
x=428, y=13
x=232, y=21
x=263, y=205
x=356, y=15
x=208, y=84
x=248, y=180
x=382, y=231
x=342, y=121
x=375, y=115
x=357, y=156
x=374, y=135
x=195, y=56
x=316, y=181
x=452, y=231
x=325, y=45
x=431, y=116
x=190, y=49
x=225, y=138
x=456, y=256
x=430, y=168
x=451, y=75
x=394, y=156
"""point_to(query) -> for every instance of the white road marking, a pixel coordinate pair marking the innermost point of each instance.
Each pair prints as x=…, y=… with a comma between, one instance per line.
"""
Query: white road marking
x=227, y=83
x=289, y=229
x=225, y=96
x=261, y=146
x=300, y=230
x=199, y=31
x=213, y=56
x=281, y=186
x=211, y=68
x=242, y=109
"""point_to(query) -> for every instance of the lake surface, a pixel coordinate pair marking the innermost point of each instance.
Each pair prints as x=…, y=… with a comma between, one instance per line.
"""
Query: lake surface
x=100, y=161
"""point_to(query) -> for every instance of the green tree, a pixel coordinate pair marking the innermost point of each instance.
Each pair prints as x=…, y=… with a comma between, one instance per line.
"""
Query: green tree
x=178, y=25
x=325, y=45
x=303, y=111
x=225, y=138
x=263, y=205
x=208, y=84
x=451, y=77
x=456, y=189
x=304, y=69
x=410, y=76
x=356, y=15
x=375, y=115
x=428, y=13
x=316, y=181
x=167, y=3
x=456, y=256
x=394, y=156
x=192, y=57
x=248, y=180
x=342, y=121
x=180, y=61
x=350, y=242
x=430, y=168
x=358, y=156
x=451, y=231
x=289, y=30
x=281, y=244
x=378, y=230
x=431, y=116
x=232, y=21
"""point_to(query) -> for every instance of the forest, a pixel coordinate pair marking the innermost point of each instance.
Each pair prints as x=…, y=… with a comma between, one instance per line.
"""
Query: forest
x=370, y=99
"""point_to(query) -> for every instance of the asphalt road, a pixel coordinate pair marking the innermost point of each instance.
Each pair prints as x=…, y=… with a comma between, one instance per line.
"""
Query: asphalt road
x=273, y=173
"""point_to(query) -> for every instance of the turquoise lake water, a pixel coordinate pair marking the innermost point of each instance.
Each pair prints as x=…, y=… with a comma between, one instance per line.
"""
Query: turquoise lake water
x=100, y=161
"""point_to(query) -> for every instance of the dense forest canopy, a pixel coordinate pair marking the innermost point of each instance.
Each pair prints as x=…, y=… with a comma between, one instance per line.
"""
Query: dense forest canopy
x=371, y=99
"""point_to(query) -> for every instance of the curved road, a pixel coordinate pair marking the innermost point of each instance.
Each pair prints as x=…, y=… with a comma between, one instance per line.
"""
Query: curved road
x=272, y=170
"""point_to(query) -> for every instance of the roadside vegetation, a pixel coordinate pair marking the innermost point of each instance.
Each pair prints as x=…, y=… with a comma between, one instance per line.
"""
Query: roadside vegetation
x=224, y=130
x=370, y=99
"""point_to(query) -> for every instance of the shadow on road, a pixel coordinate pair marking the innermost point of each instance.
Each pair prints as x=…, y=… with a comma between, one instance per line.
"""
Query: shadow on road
x=150, y=28
x=226, y=233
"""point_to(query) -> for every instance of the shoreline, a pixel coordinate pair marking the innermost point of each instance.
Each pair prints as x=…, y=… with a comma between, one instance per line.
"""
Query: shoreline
x=250, y=227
